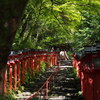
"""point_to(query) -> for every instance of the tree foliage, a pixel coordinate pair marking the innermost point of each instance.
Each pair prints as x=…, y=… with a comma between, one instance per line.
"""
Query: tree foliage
x=51, y=22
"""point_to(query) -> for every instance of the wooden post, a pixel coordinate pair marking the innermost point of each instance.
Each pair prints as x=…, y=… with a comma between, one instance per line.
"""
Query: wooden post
x=33, y=60
x=47, y=83
x=23, y=70
x=18, y=73
x=5, y=80
x=15, y=76
x=10, y=78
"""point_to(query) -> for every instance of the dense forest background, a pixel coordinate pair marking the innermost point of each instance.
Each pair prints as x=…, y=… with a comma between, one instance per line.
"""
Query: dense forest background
x=46, y=23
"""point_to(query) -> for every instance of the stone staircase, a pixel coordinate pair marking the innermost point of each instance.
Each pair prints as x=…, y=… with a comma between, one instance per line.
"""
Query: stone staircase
x=66, y=85
x=34, y=86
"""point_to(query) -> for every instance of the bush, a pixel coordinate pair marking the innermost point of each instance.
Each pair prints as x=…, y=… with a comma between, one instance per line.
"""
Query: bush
x=43, y=66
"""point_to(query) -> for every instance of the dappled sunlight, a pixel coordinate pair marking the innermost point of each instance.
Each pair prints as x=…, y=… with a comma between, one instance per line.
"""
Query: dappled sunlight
x=66, y=86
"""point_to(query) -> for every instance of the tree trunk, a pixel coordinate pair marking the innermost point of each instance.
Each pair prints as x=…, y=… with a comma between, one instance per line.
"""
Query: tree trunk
x=10, y=15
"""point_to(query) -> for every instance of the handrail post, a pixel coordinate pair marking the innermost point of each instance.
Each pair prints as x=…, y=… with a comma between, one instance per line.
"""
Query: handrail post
x=47, y=82
x=58, y=63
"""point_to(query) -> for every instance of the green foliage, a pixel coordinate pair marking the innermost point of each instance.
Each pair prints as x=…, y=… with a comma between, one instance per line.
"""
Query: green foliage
x=29, y=76
x=19, y=90
x=46, y=23
x=10, y=95
x=88, y=31
x=73, y=72
x=7, y=97
x=42, y=66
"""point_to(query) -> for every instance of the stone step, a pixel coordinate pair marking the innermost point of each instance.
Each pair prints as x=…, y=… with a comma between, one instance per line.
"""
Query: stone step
x=65, y=86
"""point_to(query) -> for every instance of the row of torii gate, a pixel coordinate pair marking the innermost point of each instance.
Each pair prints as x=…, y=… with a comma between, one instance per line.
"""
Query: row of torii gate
x=87, y=65
x=26, y=61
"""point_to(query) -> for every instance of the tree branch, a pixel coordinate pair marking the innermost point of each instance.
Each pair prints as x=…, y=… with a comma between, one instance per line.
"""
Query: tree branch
x=60, y=24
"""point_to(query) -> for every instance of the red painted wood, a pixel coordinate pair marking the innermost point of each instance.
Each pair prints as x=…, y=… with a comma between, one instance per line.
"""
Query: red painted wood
x=5, y=80
x=18, y=73
x=23, y=70
x=32, y=64
x=47, y=87
x=15, y=77
x=22, y=62
x=10, y=78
